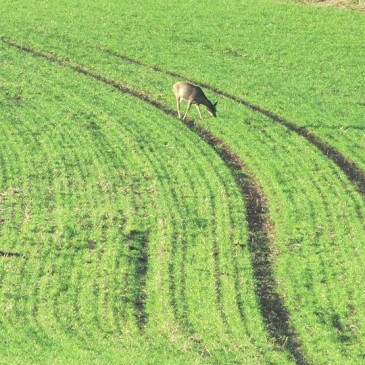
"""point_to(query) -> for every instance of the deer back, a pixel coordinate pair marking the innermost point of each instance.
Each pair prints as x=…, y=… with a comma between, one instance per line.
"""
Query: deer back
x=190, y=92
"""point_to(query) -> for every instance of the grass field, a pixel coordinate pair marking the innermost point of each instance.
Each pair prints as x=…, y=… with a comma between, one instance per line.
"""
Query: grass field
x=129, y=237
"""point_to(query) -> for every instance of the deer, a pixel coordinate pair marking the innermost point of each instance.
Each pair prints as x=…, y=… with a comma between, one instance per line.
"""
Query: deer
x=194, y=95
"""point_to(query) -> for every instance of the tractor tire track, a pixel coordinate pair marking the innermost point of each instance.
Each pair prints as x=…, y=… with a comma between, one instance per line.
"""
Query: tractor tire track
x=274, y=312
x=354, y=173
x=10, y=254
x=140, y=240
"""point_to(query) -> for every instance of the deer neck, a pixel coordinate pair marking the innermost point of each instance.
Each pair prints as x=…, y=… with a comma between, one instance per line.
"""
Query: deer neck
x=207, y=103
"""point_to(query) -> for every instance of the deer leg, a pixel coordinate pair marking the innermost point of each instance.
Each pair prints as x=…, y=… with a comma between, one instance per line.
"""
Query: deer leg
x=197, y=106
x=178, y=102
x=187, y=109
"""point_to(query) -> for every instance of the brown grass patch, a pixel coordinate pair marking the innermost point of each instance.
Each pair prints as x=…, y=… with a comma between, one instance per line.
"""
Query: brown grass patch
x=350, y=4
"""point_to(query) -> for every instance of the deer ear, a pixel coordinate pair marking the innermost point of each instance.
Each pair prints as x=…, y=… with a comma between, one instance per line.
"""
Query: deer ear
x=215, y=104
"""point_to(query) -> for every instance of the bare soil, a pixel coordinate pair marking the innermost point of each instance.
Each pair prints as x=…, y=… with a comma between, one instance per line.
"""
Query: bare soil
x=350, y=4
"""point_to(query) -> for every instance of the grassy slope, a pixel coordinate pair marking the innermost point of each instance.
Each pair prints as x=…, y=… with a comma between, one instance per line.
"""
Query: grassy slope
x=83, y=167
x=306, y=68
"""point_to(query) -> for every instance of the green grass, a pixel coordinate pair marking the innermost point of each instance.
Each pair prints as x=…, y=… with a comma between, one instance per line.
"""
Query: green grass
x=93, y=180
x=88, y=173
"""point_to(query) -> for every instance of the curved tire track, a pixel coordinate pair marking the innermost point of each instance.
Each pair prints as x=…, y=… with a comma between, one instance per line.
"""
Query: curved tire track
x=10, y=254
x=354, y=173
x=274, y=312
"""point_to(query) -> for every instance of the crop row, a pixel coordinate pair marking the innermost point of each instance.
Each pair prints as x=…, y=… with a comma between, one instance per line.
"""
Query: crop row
x=316, y=210
x=92, y=195
x=334, y=317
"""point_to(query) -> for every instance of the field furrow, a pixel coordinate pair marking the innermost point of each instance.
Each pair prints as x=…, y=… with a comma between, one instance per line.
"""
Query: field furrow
x=83, y=174
x=188, y=289
x=127, y=236
x=333, y=217
x=350, y=168
x=272, y=307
